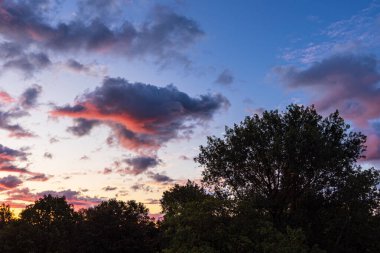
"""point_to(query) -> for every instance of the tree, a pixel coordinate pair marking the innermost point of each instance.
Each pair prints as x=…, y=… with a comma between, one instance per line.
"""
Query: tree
x=49, y=211
x=48, y=225
x=297, y=169
x=6, y=215
x=198, y=221
x=194, y=221
x=117, y=226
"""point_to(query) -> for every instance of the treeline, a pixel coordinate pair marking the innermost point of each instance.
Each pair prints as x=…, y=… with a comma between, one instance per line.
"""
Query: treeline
x=281, y=183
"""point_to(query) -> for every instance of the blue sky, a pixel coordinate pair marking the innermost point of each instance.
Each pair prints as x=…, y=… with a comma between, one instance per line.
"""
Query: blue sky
x=103, y=99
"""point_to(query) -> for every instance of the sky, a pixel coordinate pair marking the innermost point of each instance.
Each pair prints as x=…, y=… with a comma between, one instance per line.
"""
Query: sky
x=108, y=99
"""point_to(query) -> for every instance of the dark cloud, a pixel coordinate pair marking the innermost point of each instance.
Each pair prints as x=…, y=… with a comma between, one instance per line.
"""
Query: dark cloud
x=160, y=178
x=82, y=126
x=48, y=155
x=140, y=164
x=106, y=171
x=10, y=111
x=225, y=78
x=93, y=69
x=29, y=97
x=53, y=140
x=142, y=116
x=346, y=82
x=141, y=187
x=8, y=157
x=15, y=57
x=8, y=154
x=39, y=177
x=15, y=130
x=164, y=35
x=109, y=188
x=9, y=182
x=29, y=63
x=75, y=65
x=84, y=158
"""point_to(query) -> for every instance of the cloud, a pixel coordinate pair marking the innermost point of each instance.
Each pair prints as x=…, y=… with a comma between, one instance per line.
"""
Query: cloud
x=142, y=116
x=358, y=33
x=48, y=155
x=141, y=187
x=106, y=171
x=107, y=10
x=73, y=197
x=8, y=155
x=29, y=97
x=8, y=158
x=164, y=35
x=84, y=158
x=82, y=126
x=225, y=78
x=140, y=164
x=53, y=140
x=160, y=178
x=9, y=182
x=15, y=57
x=11, y=109
x=41, y=177
x=6, y=98
x=151, y=201
x=93, y=69
x=184, y=157
x=109, y=188
x=346, y=82
x=15, y=130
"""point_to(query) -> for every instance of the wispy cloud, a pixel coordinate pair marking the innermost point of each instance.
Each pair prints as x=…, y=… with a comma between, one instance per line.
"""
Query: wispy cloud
x=359, y=33
x=15, y=196
x=225, y=78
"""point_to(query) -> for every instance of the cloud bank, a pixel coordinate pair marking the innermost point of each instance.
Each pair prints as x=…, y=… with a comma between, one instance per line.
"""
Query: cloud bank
x=348, y=82
x=164, y=34
x=143, y=117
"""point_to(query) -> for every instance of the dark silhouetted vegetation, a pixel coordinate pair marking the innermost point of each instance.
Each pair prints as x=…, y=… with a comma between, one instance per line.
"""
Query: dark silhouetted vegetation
x=280, y=183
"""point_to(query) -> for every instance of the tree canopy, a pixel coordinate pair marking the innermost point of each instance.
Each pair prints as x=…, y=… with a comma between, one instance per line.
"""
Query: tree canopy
x=297, y=169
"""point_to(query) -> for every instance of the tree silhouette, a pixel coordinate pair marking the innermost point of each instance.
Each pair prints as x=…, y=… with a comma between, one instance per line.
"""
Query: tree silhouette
x=117, y=226
x=48, y=225
x=6, y=215
x=298, y=169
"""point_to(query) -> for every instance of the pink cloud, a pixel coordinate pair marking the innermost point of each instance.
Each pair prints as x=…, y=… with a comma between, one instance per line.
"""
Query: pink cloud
x=349, y=83
x=143, y=117
x=6, y=98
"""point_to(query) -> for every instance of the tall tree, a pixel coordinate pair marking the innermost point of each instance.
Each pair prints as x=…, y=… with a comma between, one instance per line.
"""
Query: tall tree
x=299, y=168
